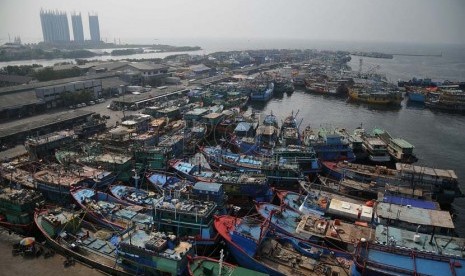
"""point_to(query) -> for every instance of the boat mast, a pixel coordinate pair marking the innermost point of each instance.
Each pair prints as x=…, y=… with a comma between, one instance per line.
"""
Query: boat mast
x=221, y=262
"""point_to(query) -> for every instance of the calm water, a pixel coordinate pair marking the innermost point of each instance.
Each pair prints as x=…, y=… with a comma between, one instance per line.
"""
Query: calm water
x=439, y=138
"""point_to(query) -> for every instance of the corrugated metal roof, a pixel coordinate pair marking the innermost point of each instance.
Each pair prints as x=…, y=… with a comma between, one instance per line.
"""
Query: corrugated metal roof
x=415, y=215
x=15, y=100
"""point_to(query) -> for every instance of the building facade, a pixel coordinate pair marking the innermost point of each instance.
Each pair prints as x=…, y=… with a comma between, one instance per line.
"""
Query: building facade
x=78, y=31
x=55, y=27
x=94, y=28
x=52, y=95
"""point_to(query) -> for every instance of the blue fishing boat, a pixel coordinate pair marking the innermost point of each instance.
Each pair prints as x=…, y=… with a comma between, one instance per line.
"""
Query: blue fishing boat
x=314, y=228
x=110, y=211
x=329, y=145
x=240, y=187
x=375, y=259
x=311, y=203
x=282, y=173
x=164, y=182
x=262, y=93
x=246, y=240
x=135, y=196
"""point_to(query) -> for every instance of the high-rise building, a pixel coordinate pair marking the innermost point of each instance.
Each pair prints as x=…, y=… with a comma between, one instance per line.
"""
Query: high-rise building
x=94, y=28
x=78, y=31
x=55, y=26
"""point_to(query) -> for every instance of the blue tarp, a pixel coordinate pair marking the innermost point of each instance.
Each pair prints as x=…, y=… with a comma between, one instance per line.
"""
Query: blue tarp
x=410, y=201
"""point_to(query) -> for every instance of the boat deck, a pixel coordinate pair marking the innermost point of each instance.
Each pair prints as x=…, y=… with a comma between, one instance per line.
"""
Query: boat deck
x=441, y=245
x=418, y=266
x=289, y=262
x=349, y=233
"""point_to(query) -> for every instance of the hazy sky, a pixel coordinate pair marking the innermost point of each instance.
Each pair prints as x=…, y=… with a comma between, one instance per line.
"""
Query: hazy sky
x=422, y=21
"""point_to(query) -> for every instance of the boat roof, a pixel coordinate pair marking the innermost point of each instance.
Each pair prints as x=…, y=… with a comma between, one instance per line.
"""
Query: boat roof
x=408, y=168
x=211, y=187
x=444, y=245
x=184, y=167
x=375, y=141
x=243, y=126
x=402, y=143
x=425, y=204
x=415, y=215
x=345, y=208
x=212, y=115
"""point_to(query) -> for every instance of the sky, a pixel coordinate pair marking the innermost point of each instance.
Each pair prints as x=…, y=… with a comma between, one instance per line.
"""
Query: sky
x=149, y=21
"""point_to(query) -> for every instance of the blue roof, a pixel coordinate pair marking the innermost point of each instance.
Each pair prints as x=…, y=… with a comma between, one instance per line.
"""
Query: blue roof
x=243, y=126
x=410, y=201
x=205, y=186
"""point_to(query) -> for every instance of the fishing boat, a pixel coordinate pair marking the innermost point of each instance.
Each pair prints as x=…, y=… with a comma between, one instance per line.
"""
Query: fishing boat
x=399, y=149
x=111, y=212
x=391, y=236
x=313, y=201
x=204, y=266
x=165, y=182
x=55, y=181
x=317, y=229
x=187, y=218
x=304, y=156
x=414, y=218
x=290, y=134
x=134, y=196
x=375, y=259
x=245, y=238
x=280, y=173
x=240, y=187
x=329, y=145
x=17, y=208
x=441, y=184
x=262, y=92
x=448, y=100
x=376, y=148
x=113, y=251
x=268, y=133
x=381, y=97
x=283, y=85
